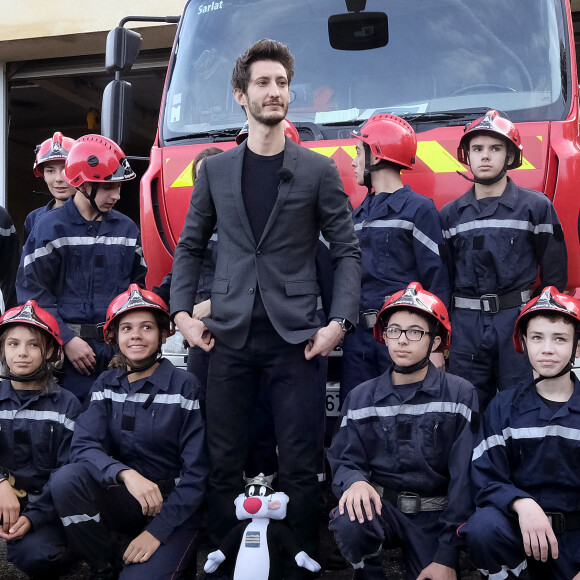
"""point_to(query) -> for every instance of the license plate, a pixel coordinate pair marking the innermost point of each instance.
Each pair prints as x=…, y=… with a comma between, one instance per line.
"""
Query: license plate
x=332, y=399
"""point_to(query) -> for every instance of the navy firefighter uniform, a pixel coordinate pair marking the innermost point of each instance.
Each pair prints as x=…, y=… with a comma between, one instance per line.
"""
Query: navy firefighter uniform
x=9, y=257
x=525, y=449
x=74, y=268
x=34, y=215
x=401, y=241
x=414, y=447
x=155, y=426
x=35, y=434
x=496, y=247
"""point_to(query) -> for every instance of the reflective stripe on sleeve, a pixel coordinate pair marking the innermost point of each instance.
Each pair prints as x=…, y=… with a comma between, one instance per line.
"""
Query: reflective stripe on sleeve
x=39, y=416
x=79, y=519
x=162, y=399
x=403, y=225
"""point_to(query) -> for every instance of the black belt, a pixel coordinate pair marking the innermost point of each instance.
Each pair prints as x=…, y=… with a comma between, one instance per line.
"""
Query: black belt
x=562, y=521
x=367, y=318
x=91, y=331
x=410, y=503
x=491, y=303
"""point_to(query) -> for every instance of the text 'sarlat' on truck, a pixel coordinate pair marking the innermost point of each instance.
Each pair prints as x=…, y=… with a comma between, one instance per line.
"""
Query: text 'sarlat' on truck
x=437, y=63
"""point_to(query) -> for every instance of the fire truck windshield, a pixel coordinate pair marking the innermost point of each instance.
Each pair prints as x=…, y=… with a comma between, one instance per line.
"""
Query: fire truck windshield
x=446, y=61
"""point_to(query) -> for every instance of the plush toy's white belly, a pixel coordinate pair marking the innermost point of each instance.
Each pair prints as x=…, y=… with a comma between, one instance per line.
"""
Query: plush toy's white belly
x=253, y=562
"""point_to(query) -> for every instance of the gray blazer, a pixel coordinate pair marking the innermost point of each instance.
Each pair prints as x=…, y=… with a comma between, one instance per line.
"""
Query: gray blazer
x=311, y=199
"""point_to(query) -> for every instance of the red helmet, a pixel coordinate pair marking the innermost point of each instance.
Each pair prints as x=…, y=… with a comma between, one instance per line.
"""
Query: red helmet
x=390, y=138
x=550, y=300
x=414, y=297
x=31, y=313
x=289, y=130
x=496, y=125
x=55, y=149
x=132, y=299
x=98, y=159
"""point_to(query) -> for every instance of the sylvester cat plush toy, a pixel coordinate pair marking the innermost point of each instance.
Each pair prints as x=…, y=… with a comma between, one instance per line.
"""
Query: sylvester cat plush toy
x=259, y=544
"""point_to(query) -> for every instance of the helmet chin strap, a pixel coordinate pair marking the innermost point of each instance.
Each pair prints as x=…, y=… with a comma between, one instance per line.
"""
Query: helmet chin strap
x=490, y=181
x=157, y=357
x=418, y=365
x=35, y=376
x=91, y=197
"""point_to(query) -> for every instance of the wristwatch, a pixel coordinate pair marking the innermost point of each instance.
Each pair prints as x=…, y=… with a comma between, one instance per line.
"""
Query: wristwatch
x=344, y=323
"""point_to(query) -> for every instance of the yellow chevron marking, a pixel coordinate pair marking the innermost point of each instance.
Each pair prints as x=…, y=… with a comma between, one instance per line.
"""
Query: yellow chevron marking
x=437, y=158
x=540, y=137
x=186, y=177
x=326, y=151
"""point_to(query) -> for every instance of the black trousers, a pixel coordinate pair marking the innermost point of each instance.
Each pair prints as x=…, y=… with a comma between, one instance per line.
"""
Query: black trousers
x=297, y=402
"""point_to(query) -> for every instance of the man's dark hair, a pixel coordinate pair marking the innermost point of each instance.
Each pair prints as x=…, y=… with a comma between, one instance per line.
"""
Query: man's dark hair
x=265, y=49
x=552, y=316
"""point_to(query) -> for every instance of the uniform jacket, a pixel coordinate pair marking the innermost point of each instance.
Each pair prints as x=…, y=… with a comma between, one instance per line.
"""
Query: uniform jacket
x=34, y=441
x=498, y=250
x=523, y=449
x=34, y=215
x=422, y=444
x=9, y=257
x=154, y=426
x=401, y=242
x=282, y=263
x=74, y=268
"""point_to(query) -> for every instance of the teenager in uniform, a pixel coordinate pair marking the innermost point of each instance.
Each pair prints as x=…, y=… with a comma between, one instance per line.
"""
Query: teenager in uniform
x=400, y=459
x=138, y=455
x=48, y=164
x=77, y=259
x=499, y=237
x=400, y=238
x=37, y=420
x=525, y=466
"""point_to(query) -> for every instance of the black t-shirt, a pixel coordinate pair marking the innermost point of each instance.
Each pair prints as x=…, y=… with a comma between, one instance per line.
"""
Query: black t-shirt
x=260, y=181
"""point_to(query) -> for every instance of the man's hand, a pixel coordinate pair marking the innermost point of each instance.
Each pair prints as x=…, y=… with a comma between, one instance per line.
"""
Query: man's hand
x=141, y=548
x=194, y=331
x=143, y=490
x=437, y=572
x=9, y=506
x=536, y=529
x=358, y=500
x=324, y=341
x=202, y=310
x=18, y=530
x=81, y=355
x=438, y=360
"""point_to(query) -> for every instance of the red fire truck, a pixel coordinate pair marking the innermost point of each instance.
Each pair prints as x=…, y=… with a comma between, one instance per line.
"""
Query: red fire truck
x=437, y=63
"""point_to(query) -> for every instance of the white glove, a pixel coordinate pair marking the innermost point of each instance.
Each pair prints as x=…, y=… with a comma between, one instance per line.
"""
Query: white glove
x=305, y=561
x=214, y=560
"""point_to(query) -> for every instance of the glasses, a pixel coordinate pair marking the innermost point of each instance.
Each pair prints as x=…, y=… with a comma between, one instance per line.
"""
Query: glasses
x=412, y=334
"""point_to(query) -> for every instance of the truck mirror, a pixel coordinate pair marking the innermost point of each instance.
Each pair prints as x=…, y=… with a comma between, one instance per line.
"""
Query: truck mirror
x=115, y=111
x=123, y=46
x=358, y=31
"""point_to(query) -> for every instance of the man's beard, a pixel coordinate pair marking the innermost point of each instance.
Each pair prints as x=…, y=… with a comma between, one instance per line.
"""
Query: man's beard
x=256, y=111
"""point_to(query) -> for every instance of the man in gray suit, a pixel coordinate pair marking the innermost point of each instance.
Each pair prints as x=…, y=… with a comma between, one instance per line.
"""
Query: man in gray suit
x=270, y=199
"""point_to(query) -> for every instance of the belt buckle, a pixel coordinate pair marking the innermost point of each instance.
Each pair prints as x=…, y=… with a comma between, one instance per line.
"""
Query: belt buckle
x=489, y=303
x=557, y=521
x=370, y=317
x=409, y=502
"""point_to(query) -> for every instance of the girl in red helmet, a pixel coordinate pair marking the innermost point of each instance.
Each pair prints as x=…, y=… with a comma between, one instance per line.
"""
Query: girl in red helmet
x=37, y=420
x=48, y=164
x=400, y=237
x=525, y=466
x=138, y=460
x=400, y=459
x=77, y=259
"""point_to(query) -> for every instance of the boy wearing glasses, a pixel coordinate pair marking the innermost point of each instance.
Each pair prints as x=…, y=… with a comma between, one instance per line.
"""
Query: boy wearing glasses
x=404, y=447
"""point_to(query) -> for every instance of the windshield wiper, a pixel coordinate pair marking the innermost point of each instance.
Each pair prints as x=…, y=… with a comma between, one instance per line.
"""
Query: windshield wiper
x=459, y=117
x=214, y=134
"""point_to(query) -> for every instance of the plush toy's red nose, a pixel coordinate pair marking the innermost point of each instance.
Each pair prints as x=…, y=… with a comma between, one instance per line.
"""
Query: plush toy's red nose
x=252, y=505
